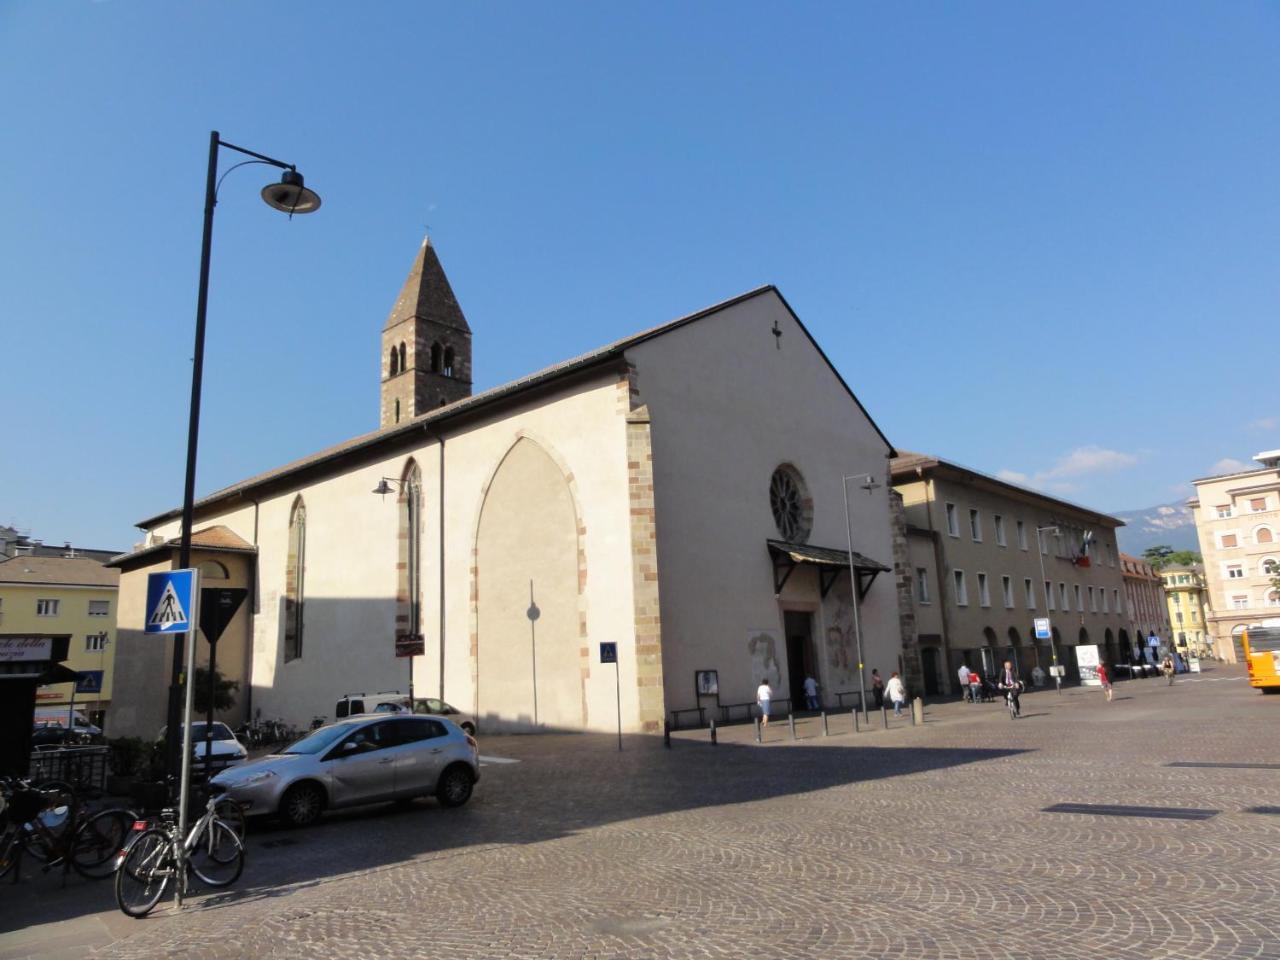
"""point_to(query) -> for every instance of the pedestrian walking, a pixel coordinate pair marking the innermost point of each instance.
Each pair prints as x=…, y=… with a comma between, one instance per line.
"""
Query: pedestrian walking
x=1105, y=680
x=811, y=693
x=964, y=682
x=764, y=693
x=975, y=686
x=897, y=693
x=877, y=688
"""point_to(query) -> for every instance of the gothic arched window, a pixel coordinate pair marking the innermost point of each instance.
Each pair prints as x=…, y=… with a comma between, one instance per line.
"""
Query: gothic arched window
x=448, y=361
x=409, y=568
x=294, y=575
x=395, y=362
x=435, y=357
x=403, y=366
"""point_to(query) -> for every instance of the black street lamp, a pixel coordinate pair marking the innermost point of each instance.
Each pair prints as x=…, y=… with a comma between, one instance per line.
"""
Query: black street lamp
x=289, y=196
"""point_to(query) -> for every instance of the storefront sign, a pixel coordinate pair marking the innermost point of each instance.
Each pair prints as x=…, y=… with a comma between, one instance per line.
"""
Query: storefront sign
x=14, y=649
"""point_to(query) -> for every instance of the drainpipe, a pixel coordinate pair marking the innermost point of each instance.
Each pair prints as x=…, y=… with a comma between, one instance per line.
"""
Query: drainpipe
x=441, y=538
x=253, y=609
x=940, y=563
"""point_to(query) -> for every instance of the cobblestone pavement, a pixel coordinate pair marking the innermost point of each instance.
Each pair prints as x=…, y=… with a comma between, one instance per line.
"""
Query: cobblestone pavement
x=915, y=842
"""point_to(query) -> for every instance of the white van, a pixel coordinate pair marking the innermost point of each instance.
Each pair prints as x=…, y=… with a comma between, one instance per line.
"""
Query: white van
x=57, y=717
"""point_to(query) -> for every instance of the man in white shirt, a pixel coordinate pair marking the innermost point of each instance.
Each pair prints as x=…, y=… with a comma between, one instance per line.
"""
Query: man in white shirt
x=811, y=693
x=764, y=693
x=964, y=681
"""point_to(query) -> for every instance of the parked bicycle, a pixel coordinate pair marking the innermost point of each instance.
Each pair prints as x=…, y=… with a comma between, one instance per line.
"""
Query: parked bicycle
x=156, y=855
x=49, y=824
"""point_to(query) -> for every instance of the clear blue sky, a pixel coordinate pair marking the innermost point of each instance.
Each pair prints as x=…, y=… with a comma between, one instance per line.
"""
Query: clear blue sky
x=1035, y=238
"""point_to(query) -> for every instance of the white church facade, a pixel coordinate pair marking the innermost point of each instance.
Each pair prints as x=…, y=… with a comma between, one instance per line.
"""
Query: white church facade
x=678, y=493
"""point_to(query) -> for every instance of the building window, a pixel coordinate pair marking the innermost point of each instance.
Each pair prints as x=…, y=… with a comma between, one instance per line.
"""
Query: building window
x=99, y=608
x=1115, y=595
x=409, y=566
x=1227, y=541
x=1240, y=602
x=1258, y=504
x=975, y=526
x=395, y=362
x=922, y=584
x=953, y=525
x=1030, y=590
x=1224, y=512
x=1193, y=616
x=397, y=410
x=1235, y=571
x=403, y=366
x=962, y=591
x=999, y=525
x=1021, y=530
x=1105, y=607
x=1006, y=584
x=984, y=595
x=791, y=505
x=47, y=608
x=1048, y=595
x=437, y=357
x=1273, y=598
x=294, y=577
x=1262, y=535
x=1093, y=600
x=96, y=642
x=448, y=361
x=1270, y=567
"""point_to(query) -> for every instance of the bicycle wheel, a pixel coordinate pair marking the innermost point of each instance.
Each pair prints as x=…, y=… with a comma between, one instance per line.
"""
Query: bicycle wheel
x=44, y=834
x=145, y=873
x=10, y=849
x=218, y=856
x=232, y=814
x=99, y=841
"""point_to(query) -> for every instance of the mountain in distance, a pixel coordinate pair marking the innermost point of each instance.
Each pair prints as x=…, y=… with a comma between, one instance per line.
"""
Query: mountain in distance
x=1165, y=523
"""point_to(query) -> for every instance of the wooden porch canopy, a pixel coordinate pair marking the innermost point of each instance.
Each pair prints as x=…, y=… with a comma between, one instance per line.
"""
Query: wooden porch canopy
x=830, y=563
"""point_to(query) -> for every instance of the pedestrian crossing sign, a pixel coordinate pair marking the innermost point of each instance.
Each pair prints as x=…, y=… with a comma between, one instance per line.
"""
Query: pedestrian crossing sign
x=169, y=597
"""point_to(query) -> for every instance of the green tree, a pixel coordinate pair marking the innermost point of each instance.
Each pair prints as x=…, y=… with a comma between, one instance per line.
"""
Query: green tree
x=223, y=694
x=1184, y=558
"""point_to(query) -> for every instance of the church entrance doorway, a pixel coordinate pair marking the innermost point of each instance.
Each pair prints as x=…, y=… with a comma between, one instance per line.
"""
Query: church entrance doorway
x=801, y=662
x=929, y=667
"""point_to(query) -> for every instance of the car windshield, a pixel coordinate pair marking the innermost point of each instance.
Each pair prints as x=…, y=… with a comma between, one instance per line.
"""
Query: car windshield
x=320, y=740
x=431, y=705
x=220, y=731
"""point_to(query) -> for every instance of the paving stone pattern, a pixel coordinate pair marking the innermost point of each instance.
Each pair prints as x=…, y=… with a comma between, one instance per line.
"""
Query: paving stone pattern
x=915, y=842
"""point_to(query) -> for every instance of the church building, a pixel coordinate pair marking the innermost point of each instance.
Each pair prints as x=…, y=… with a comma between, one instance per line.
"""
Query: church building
x=687, y=494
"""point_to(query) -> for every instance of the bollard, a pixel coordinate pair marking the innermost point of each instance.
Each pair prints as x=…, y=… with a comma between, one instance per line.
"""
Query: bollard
x=856, y=728
x=666, y=734
x=757, y=723
x=884, y=715
x=825, y=731
x=791, y=722
x=917, y=711
x=713, y=731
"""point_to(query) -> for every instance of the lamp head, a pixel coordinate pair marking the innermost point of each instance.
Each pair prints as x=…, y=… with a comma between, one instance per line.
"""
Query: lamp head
x=290, y=195
x=383, y=488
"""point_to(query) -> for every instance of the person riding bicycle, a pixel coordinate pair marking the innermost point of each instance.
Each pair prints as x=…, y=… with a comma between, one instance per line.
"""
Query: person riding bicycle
x=1167, y=668
x=1008, y=681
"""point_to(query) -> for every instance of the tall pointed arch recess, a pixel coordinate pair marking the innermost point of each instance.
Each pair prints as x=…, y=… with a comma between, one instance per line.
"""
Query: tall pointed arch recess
x=294, y=580
x=409, y=554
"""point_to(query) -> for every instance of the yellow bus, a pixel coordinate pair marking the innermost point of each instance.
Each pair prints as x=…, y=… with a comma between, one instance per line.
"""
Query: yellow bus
x=1262, y=654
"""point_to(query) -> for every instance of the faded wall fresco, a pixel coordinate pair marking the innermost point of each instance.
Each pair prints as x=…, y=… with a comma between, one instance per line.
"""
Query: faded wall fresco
x=763, y=646
x=841, y=646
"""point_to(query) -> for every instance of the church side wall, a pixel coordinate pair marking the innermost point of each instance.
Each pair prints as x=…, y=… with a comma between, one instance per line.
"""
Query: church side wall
x=729, y=403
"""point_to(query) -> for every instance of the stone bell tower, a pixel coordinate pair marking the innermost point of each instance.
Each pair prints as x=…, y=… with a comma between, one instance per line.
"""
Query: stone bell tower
x=426, y=345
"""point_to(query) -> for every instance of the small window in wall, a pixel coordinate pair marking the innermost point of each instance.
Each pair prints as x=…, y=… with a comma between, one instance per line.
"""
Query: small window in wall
x=403, y=366
x=1093, y=601
x=962, y=591
x=1006, y=585
x=922, y=584
x=1263, y=535
x=1257, y=504
x=1228, y=540
x=394, y=364
x=47, y=608
x=1270, y=567
x=1048, y=595
x=953, y=524
x=1030, y=591
x=984, y=596
x=1273, y=598
x=1240, y=602
x=99, y=608
x=95, y=642
x=1062, y=596
x=1235, y=571
x=448, y=361
x=1105, y=606
x=1115, y=595
x=437, y=357
x=1224, y=511
x=1079, y=598
x=397, y=410
x=1022, y=535
x=999, y=525
x=975, y=526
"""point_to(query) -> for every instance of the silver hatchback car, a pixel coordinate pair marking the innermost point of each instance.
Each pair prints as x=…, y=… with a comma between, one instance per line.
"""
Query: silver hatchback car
x=363, y=759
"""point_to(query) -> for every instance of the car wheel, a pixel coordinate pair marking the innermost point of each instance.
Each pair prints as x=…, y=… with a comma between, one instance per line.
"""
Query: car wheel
x=469, y=728
x=454, y=788
x=302, y=804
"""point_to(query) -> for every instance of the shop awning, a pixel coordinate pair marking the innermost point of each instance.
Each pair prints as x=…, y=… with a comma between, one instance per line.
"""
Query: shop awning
x=829, y=562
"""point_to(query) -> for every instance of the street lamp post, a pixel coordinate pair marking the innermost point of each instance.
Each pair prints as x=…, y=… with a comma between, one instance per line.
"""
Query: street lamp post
x=868, y=486
x=289, y=196
x=1053, y=647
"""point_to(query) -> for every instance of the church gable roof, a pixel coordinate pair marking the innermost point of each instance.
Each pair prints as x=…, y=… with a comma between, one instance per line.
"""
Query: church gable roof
x=510, y=392
x=426, y=294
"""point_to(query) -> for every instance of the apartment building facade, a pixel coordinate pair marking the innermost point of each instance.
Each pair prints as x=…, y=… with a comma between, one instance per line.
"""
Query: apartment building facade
x=989, y=557
x=1187, y=600
x=1146, y=609
x=1238, y=522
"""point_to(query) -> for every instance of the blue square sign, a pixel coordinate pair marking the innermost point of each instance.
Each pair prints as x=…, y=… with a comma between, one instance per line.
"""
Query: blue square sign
x=608, y=653
x=169, y=597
